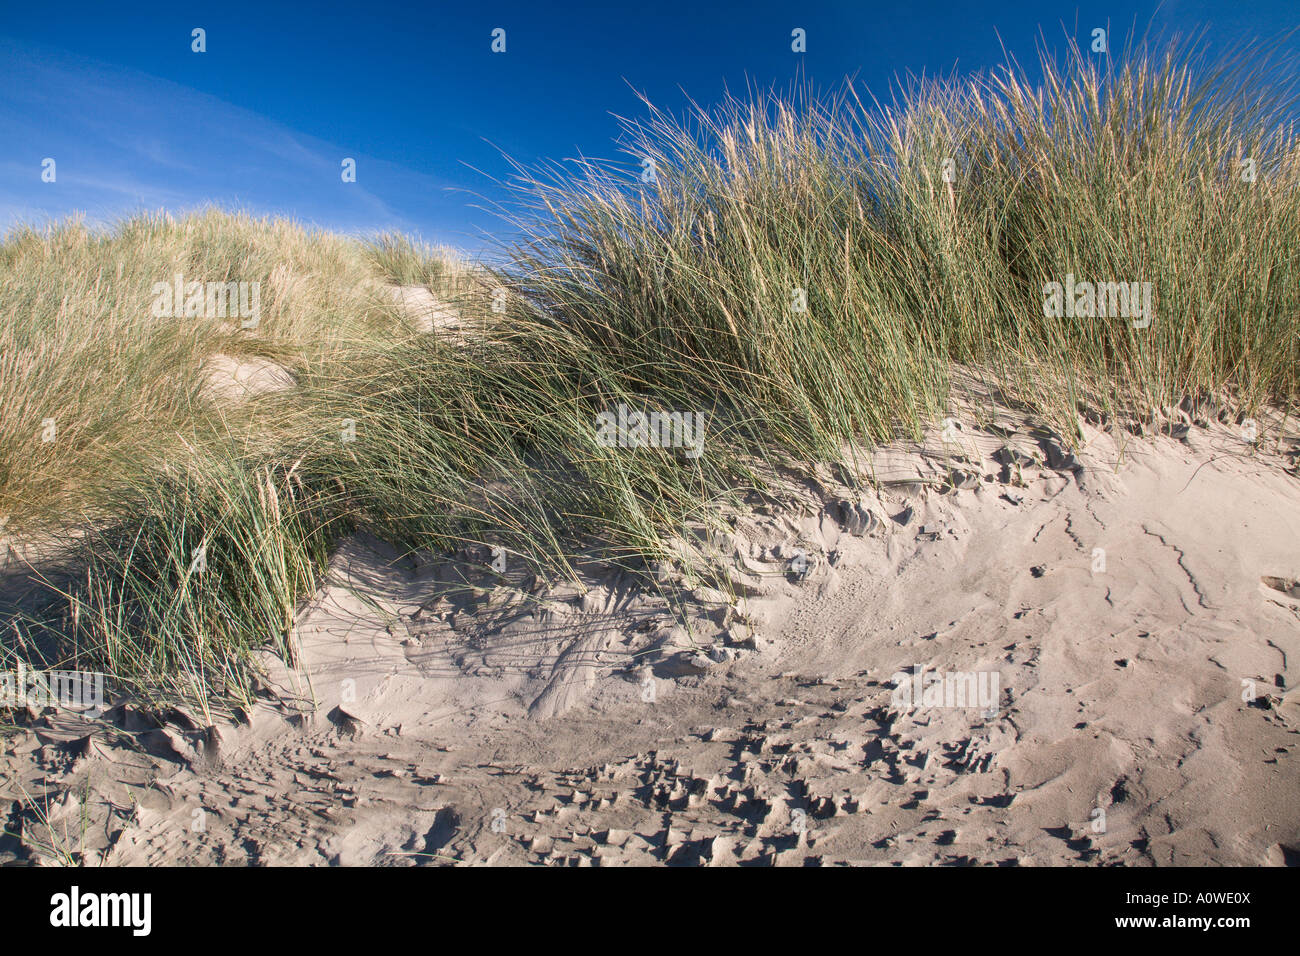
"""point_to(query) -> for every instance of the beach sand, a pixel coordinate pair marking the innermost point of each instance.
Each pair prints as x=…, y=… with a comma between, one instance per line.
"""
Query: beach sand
x=1132, y=601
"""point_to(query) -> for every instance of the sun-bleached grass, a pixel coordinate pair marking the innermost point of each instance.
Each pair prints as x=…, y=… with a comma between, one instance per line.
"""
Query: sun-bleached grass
x=407, y=262
x=80, y=347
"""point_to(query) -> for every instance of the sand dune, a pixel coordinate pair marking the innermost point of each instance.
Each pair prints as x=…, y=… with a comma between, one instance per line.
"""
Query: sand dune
x=1136, y=602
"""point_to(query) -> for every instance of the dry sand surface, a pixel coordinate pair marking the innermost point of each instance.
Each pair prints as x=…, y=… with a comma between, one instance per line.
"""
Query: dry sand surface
x=233, y=380
x=426, y=311
x=447, y=713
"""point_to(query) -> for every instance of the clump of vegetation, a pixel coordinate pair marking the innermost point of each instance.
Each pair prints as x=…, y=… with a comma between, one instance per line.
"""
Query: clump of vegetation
x=827, y=263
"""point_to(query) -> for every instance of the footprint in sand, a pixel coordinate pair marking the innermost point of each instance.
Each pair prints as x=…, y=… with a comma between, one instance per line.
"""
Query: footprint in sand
x=1282, y=590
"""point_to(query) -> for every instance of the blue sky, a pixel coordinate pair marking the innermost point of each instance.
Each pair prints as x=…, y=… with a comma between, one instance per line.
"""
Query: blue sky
x=262, y=120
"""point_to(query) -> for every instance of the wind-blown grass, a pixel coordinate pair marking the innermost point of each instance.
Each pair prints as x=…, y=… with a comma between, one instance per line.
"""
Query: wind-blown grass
x=403, y=261
x=79, y=345
x=203, y=566
x=1127, y=172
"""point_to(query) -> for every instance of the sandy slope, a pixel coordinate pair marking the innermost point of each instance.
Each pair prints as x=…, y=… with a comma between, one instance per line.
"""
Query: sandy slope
x=468, y=716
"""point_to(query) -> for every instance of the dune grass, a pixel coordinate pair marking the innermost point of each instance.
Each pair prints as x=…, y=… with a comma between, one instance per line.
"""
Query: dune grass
x=1126, y=172
x=82, y=351
x=115, y=449
x=406, y=262
x=804, y=273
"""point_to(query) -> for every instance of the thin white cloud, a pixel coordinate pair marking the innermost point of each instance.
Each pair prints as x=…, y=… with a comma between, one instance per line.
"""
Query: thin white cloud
x=125, y=141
